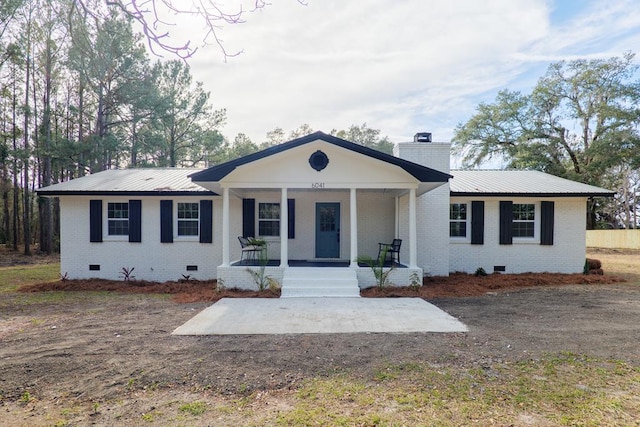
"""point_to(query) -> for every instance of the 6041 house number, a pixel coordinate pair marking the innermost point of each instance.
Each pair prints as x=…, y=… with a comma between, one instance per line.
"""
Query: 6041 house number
x=317, y=185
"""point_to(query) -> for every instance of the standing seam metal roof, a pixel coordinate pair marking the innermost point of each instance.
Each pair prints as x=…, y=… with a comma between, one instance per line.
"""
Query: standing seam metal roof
x=151, y=181
x=519, y=182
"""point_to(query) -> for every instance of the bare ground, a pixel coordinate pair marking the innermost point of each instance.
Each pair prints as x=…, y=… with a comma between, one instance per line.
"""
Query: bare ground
x=115, y=351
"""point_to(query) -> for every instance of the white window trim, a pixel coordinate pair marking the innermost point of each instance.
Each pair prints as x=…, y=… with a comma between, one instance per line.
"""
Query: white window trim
x=176, y=236
x=536, y=223
x=257, y=225
x=106, y=237
x=467, y=238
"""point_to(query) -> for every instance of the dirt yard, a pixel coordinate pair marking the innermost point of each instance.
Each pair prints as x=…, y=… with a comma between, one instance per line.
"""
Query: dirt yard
x=111, y=354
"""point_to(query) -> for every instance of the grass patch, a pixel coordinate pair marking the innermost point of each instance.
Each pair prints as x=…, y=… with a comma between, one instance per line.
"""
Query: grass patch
x=14, y=277
x=194, y=408
x=562, y=390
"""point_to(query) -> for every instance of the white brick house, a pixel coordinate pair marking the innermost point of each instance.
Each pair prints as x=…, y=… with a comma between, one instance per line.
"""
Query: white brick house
x=341, y=200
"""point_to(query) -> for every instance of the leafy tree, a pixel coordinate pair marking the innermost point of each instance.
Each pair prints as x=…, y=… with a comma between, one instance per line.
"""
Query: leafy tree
x=187, y=116
x=111, y=60
x=302, y=130
x=366, y=136
x=242, y=146
x=580, y=122
x=274, y=137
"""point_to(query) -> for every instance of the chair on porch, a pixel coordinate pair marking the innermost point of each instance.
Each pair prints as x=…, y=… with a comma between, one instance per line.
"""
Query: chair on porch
x=391, y=251
x=248, y=250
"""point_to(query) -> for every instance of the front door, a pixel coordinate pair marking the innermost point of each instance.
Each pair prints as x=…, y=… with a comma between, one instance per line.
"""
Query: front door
x=327, y=230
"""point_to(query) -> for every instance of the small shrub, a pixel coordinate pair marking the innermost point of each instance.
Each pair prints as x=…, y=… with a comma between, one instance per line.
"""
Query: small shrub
x=259, y=277
x=273, y=284
x=480, y=272
x=414, y=281
x=377, y=267
x=26, y=397
x=126, y=275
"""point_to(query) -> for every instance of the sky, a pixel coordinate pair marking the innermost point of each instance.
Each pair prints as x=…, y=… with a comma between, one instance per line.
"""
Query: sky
x=400, y=66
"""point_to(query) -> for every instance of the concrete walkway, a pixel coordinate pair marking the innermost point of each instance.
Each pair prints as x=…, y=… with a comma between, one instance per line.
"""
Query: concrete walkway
x=231, y=316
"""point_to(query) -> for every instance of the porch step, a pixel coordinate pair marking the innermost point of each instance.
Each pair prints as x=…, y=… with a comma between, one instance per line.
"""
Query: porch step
x=304, y=282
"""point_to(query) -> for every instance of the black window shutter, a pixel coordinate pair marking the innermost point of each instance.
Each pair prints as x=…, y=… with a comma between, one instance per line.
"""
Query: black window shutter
x=506, y=223
x=166, y=221
x=95, y=220
x=477, y=223
x=546, y=223
x=135, y=221
x=248, y=217
x=206, y=221
x=291, y=209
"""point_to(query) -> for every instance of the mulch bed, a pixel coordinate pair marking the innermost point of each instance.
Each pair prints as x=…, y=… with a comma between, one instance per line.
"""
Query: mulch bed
x=466, y=285
x=455, y=285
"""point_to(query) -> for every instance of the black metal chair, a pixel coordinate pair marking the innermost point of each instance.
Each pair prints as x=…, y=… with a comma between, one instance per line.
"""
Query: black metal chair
x=391, y=251
x=248, y=249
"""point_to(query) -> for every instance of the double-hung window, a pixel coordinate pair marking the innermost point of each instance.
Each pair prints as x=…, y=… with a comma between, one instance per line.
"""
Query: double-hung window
x=188, y=219
x=118, y=219
x=524, y=216
x=269, y=219
x=458, y=216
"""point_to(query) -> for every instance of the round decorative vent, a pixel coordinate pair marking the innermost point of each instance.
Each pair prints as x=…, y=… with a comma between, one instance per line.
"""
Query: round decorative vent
x=318, y=160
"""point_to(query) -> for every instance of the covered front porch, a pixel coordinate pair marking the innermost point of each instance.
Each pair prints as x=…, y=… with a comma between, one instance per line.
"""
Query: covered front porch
x=318, y=199
x=331, y=229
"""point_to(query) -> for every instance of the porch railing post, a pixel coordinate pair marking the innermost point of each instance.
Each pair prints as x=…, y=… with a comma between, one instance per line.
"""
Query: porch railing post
x=353, y=209
x=413, y=230
x=284, y=230
x=225, y=227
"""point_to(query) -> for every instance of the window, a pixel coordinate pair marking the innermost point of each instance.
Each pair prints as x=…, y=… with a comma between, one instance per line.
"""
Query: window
x=458, y=220
x=524, y=219
x=269, y=219
x=118, y=219
x=188, y=219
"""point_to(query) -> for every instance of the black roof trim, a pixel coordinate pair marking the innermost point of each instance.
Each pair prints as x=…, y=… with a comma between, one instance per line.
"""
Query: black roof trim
x=46, y=193
x=421, y=173
x=479, y=194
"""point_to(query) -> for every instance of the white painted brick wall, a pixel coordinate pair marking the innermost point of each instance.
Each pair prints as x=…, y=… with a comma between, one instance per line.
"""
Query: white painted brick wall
x=151, y=259
x=566, y=255
x=432, y=208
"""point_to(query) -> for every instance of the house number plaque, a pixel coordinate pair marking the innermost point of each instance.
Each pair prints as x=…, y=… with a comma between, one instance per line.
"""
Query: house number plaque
x=317, y=185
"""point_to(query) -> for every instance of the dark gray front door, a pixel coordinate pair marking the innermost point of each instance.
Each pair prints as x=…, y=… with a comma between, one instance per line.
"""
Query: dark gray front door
x=327, y=230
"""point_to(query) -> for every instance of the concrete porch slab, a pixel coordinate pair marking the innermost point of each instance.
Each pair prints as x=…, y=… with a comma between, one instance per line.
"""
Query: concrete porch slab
x=232, y=316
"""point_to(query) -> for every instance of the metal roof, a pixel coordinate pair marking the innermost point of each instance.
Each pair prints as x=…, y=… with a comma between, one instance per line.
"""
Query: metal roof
x=519, y=183
x=151, y=181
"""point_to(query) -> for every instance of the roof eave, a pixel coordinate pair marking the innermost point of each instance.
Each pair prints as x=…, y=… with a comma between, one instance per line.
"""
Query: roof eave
x=503, y=194
x=46, y=193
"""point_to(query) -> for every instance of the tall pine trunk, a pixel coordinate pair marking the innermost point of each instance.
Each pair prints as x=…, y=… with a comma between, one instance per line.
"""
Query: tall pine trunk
x=26, y=224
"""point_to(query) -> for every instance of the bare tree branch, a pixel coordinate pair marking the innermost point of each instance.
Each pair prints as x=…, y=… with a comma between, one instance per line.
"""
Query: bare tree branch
x=152, y=16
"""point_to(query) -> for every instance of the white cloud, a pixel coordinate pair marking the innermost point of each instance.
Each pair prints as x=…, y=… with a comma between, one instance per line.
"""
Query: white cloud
x=399, y=66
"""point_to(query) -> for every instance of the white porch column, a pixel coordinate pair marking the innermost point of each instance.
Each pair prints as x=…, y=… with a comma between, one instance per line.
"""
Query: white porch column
x=413, y=230
x=225, y=227
x=284, y=229
x=353, y=209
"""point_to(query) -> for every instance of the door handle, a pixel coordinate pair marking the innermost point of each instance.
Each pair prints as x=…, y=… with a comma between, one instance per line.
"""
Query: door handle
x=338, y=235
